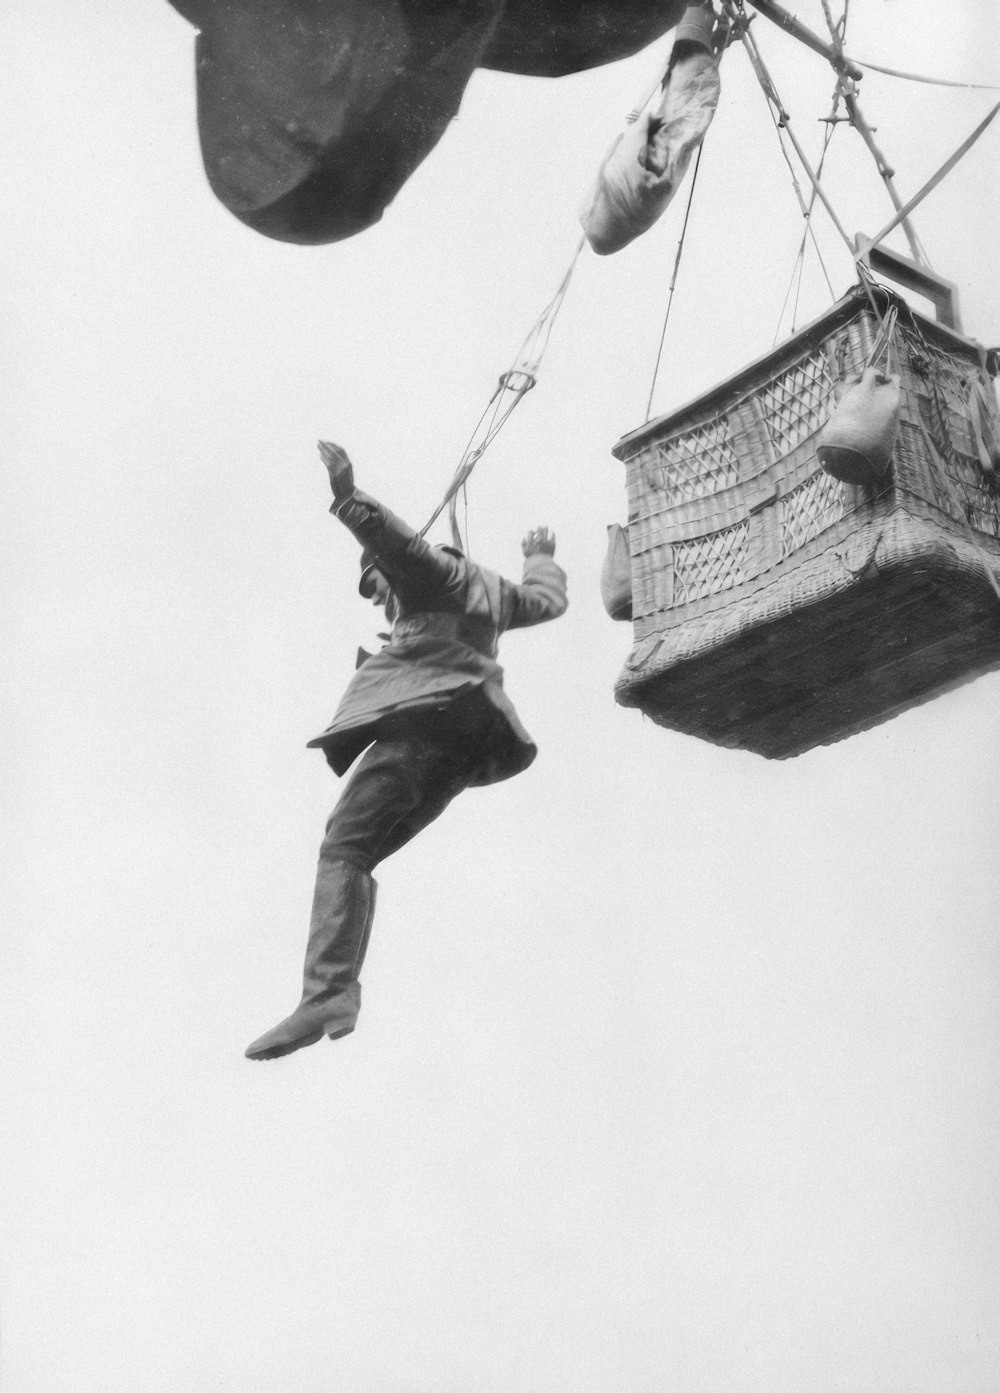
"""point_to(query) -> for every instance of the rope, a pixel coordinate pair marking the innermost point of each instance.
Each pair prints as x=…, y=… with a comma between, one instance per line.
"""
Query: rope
x=782, y=120
x=849, y=91
x=931, y=81
x=935, y=179
x=515, y=383
x=837, y=32
x=799, y=266
x=673, y=280
x=780, y=16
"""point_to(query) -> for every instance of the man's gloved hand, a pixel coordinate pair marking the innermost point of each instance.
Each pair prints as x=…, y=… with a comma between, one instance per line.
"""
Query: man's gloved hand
x=340, y=470
x=540, y=542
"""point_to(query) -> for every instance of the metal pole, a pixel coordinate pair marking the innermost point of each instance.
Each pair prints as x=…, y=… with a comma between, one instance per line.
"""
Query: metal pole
x=865, y=131
x=777, y=14
x=849, y=93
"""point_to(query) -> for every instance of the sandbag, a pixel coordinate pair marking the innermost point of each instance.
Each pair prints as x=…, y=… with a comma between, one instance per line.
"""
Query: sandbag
x=857, y=442
x=616, y=574
x=646, y=164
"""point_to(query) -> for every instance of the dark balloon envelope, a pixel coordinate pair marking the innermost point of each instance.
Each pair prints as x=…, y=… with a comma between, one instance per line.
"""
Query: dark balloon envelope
x=313, y=113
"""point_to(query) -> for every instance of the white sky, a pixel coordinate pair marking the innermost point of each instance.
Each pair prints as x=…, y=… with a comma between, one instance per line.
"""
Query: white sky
x=678, y=1068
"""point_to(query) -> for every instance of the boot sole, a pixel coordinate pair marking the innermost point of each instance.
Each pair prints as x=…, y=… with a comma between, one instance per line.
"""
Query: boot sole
x=279, y=1051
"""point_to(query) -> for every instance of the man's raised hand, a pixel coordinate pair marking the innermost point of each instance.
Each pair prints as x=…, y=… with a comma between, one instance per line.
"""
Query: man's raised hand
x=540, y=542
x=339, y=468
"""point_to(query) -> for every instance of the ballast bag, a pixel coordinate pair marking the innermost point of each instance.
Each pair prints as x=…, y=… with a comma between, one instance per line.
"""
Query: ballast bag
x=857, y=442
x=646, y=164
x=616, y=574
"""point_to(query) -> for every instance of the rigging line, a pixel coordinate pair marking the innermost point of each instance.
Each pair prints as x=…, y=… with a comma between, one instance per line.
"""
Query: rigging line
x=474, y=460
x=523, y=370
x=795, y=280
x=933, y=181
x=850, y=93
x=782, y=120
x=673, y=280
x=867, y=135
x=930, y=81
x=526, y=366
x=471, y=458
x=456, y=480
x=777, y=14
x=872, y=289
x=812, y=198
x=808, y=231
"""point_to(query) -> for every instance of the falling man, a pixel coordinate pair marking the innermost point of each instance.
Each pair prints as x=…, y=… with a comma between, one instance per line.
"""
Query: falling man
x=429, y=714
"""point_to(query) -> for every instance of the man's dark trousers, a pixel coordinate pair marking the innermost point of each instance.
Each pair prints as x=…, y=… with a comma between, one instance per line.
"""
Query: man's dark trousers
x=407, y=778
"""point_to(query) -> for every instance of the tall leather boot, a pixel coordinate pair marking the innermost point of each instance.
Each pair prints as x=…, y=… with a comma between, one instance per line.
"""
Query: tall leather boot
x=342, y=914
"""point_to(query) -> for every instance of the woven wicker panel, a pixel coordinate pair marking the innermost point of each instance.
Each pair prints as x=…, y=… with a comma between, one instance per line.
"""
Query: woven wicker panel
x=710, y=565
x=696, y=464
x=809, y=510
x=776, y=609
x=845, y=641
x=765, y=432
x=951, y=481
x=936, y=455
x=652, y=583
x=941, y=380
x=725, y=456
x=797, y=404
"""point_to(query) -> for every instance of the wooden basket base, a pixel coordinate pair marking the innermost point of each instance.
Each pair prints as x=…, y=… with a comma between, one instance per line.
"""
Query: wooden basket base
x=923, y=621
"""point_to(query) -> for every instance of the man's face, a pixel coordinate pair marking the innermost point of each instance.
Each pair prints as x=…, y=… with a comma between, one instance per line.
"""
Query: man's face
x=380, y=591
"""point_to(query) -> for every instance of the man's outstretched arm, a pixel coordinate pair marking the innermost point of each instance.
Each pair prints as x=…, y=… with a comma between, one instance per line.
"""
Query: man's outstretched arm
x=403, y=556
x=542, y=593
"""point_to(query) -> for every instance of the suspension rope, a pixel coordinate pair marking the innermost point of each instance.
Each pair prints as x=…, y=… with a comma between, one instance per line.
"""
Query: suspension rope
x=782, y=120
x=931, y=81
x=850, y=93
x=807, y=232
x=514, y=384
x=673, y=279
x=934, y=180
x=777, y=14
x=837, y=31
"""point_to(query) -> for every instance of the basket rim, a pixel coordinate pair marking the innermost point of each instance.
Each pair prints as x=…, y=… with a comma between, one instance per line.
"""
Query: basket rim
x=810, y=335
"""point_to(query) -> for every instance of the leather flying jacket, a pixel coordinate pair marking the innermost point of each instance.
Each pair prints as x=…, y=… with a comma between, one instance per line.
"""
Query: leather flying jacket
x=450, y=613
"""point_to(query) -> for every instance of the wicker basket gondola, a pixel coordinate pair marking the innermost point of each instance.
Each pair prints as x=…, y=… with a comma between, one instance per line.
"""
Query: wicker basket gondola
x=776, y=609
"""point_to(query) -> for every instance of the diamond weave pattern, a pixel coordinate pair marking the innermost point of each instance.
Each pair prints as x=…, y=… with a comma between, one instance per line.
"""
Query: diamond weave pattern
x=809, y=510
x=797, y=404
x=757, y=457
x=698, y=463
x=710, y=564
